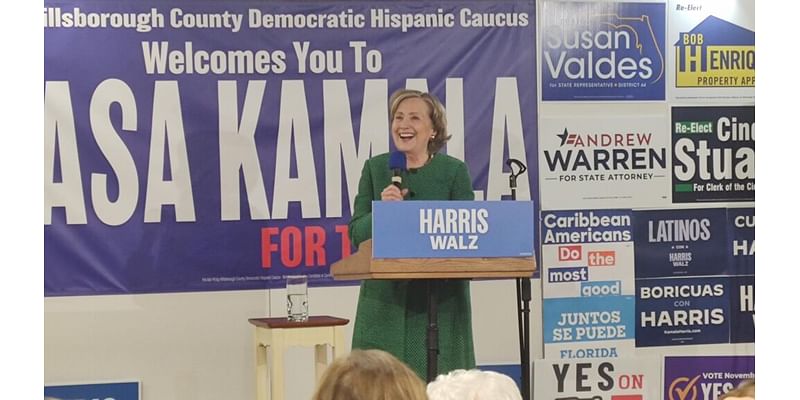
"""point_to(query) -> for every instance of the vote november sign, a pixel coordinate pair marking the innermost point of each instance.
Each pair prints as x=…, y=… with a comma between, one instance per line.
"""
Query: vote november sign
x=218, y=146
x=705, y=377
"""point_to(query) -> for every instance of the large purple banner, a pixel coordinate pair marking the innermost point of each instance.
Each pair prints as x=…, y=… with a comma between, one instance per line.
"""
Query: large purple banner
x=193, y=146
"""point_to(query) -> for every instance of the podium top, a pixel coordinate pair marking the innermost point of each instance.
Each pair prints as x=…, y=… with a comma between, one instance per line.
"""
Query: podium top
x=361, y=265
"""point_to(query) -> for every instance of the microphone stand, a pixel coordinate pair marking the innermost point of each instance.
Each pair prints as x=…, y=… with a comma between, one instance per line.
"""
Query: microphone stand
x=433, y=332
x=523, y=298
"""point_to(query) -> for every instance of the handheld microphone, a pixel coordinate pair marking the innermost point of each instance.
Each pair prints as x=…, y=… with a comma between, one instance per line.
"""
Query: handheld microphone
x=397, y=163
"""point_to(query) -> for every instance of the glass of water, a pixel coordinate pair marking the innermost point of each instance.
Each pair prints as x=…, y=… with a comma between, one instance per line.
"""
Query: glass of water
x=297, y=298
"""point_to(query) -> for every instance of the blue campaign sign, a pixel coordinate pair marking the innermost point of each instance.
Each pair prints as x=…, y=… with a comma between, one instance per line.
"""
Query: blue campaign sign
x=742, y=240
x=680, y=242
x=452, y=229
x=105, y=391
x=603, y=51
x=743, y=309
x=577, y=319
x=682, y=311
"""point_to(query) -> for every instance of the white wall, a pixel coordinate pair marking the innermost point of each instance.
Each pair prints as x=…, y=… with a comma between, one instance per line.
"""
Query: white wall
x=200, y=346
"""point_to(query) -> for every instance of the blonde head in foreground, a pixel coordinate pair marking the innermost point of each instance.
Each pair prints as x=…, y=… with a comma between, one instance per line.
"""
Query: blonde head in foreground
x=369, y=375
x=745, y=391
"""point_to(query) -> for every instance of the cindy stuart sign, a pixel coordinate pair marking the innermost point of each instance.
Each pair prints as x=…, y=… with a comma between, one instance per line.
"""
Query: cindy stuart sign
x=452, y=229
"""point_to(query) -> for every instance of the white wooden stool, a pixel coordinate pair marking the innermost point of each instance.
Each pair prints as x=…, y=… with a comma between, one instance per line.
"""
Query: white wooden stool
x=277, y=334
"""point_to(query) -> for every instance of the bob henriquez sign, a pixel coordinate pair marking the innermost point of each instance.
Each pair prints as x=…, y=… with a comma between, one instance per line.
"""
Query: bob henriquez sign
x=715, y=53
x=458, y=229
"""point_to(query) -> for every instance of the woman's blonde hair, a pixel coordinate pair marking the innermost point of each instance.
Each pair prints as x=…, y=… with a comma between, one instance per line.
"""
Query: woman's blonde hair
x=436, y=114
x=746, y=388
x=369, y=375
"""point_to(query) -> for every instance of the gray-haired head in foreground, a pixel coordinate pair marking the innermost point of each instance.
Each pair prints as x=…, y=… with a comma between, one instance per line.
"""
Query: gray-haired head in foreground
x=473, y=384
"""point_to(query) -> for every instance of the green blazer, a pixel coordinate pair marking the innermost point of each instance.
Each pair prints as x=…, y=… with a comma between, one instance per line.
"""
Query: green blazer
x=392, y=315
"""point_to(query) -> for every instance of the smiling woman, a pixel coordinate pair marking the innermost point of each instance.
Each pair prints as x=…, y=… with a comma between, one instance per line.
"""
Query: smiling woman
x=419, y=126
x=392, y=315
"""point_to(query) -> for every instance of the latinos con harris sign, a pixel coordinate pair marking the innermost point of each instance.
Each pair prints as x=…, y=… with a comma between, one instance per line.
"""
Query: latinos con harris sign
x=218, y=146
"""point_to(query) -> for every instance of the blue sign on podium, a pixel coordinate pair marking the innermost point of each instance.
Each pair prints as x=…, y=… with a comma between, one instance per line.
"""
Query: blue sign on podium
x=452, y=229
x=105, y=391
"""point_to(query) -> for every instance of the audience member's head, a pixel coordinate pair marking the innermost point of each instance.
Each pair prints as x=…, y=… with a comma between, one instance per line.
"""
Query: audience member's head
x=745, y=391
x=369, y=375
x=473, y=385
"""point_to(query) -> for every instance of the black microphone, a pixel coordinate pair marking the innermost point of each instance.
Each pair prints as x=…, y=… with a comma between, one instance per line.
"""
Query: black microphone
x=397, y=163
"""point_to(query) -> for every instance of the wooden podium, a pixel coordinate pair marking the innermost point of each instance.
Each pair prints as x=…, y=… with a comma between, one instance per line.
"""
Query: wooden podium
x=361, y=265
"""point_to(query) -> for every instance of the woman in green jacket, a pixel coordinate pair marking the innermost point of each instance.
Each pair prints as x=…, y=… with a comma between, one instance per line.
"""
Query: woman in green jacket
x=392, y=314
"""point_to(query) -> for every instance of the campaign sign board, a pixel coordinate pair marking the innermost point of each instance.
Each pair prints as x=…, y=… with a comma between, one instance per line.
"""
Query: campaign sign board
x=743, y=309
x=587, y=253
x=712, y=52
x=688, y=242
x=713, y=154
x=580, y=328
x=624, y=378
x=682, y=311
x=742, y=240
x=602, y=51
x=716, y=53
x=578, y=319
x=104, y=391
x=575, y=328
x=602, y=162
x=705, y=377
x=452, y=229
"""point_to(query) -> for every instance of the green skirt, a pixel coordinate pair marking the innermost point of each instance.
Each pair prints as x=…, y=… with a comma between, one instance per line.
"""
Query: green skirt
x=393, y=316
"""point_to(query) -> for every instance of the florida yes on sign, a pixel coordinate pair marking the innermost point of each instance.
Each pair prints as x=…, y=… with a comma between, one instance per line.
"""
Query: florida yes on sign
x=452, y=229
